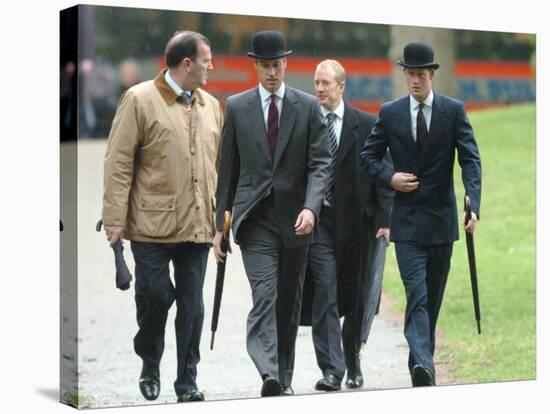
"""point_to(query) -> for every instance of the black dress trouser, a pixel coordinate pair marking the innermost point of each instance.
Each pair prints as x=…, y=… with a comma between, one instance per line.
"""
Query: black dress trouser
x=424, y=271
x=325, y=321
x=154, y=295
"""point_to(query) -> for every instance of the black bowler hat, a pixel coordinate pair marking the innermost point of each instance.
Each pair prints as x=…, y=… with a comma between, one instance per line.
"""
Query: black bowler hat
x=418, y=55
x=269, y=44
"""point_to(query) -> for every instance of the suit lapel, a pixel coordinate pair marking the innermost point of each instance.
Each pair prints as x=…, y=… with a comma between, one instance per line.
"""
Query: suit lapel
x=257, y=120
x=438, y=117
x=348, y=135
x=405, y=124
x=436, y=122
x=287, y=119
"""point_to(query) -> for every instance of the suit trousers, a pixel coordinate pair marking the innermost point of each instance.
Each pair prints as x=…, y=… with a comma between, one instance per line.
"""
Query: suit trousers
x=325, y=321
x=276, y=275
x=154, y=296
x=424, y=271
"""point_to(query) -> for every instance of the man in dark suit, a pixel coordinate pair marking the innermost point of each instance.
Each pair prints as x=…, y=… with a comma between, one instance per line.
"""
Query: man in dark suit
x=273, y=172
x=354, y=215
x=423, y=131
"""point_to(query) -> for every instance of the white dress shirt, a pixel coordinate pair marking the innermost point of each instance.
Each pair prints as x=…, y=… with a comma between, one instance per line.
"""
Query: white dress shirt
x=265, y=98
x=428, y=102
x=174, y=85
x=338, y=120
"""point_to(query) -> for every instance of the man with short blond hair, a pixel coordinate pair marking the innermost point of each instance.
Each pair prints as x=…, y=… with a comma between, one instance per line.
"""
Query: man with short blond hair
x=337, y=68
x=353, y=216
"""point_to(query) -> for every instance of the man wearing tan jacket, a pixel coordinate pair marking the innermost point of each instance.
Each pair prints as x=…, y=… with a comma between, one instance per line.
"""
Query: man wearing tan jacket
x=159, y=188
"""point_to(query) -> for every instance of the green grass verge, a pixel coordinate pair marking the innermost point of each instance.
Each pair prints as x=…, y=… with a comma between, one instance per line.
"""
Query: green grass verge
x=505, y=242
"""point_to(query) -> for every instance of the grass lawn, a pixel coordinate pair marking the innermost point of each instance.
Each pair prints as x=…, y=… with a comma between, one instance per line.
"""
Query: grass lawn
x=505, y=252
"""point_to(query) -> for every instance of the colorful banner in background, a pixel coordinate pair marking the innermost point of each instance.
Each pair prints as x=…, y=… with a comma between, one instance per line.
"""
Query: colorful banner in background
x=485, y=84
x=479, y=84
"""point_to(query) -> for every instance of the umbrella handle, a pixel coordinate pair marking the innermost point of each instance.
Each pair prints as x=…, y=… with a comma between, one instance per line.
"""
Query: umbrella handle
x=226, y=224
x=467, y=209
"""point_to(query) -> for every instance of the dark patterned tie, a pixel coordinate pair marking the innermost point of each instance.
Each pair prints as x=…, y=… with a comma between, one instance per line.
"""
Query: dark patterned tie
x=272, y=125
x=421, y=128
x=187, y=97
x=333, y=147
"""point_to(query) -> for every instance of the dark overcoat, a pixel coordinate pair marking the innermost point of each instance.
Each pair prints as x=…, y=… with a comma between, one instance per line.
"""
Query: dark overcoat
x=357, y=199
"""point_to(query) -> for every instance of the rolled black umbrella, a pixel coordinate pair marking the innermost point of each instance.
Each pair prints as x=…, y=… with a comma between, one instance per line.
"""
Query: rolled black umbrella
x=123, y=276
x=374, y=287
x=220, y=277
x=472, y=262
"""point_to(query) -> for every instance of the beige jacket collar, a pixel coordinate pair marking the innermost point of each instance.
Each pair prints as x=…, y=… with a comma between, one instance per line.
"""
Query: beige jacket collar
x=168, y=93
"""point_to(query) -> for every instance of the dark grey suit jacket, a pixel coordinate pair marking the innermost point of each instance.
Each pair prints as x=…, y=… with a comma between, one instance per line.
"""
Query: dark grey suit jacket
x=427, y=215
x=296, y=176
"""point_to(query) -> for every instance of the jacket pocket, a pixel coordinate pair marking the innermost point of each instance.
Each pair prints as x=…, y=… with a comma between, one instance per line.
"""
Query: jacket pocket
x=156, y=215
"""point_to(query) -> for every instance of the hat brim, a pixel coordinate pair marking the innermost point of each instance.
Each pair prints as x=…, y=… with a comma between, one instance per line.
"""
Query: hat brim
x=273, y=56
x=431, y=65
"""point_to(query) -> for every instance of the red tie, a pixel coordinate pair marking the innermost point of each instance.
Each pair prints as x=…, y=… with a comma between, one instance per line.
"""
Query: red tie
x=272, y=125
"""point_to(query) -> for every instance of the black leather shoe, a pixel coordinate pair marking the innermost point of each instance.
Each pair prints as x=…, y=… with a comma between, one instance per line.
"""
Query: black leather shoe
x=354, y=381
x=149, y=382
x=354, y=376
x=270, y=387
x=328, y=383
x=422, y=377
x=288, y=391
x=191, y=395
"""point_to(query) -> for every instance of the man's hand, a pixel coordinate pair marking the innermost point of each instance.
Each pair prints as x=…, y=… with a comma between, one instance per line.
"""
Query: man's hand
x=471, y=225
x=385, y=233
x=305, y=222
x=114, y=234
x=404, y=182
x=217, y=245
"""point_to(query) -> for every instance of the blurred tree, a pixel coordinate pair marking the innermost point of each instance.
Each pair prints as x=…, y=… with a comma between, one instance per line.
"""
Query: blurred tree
x=531, y=40
x=327, y=38
x=142, y=33
x=480, y=45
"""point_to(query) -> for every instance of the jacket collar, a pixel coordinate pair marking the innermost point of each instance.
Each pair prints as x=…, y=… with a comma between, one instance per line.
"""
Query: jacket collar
x=265, y=94
x=287, y=120
x=427, y=102
x=168, y=93
x=338, y=111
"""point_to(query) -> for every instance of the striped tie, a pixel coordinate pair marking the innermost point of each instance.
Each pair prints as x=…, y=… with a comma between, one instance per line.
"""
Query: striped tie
x=333, y=147
x=272, y=124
